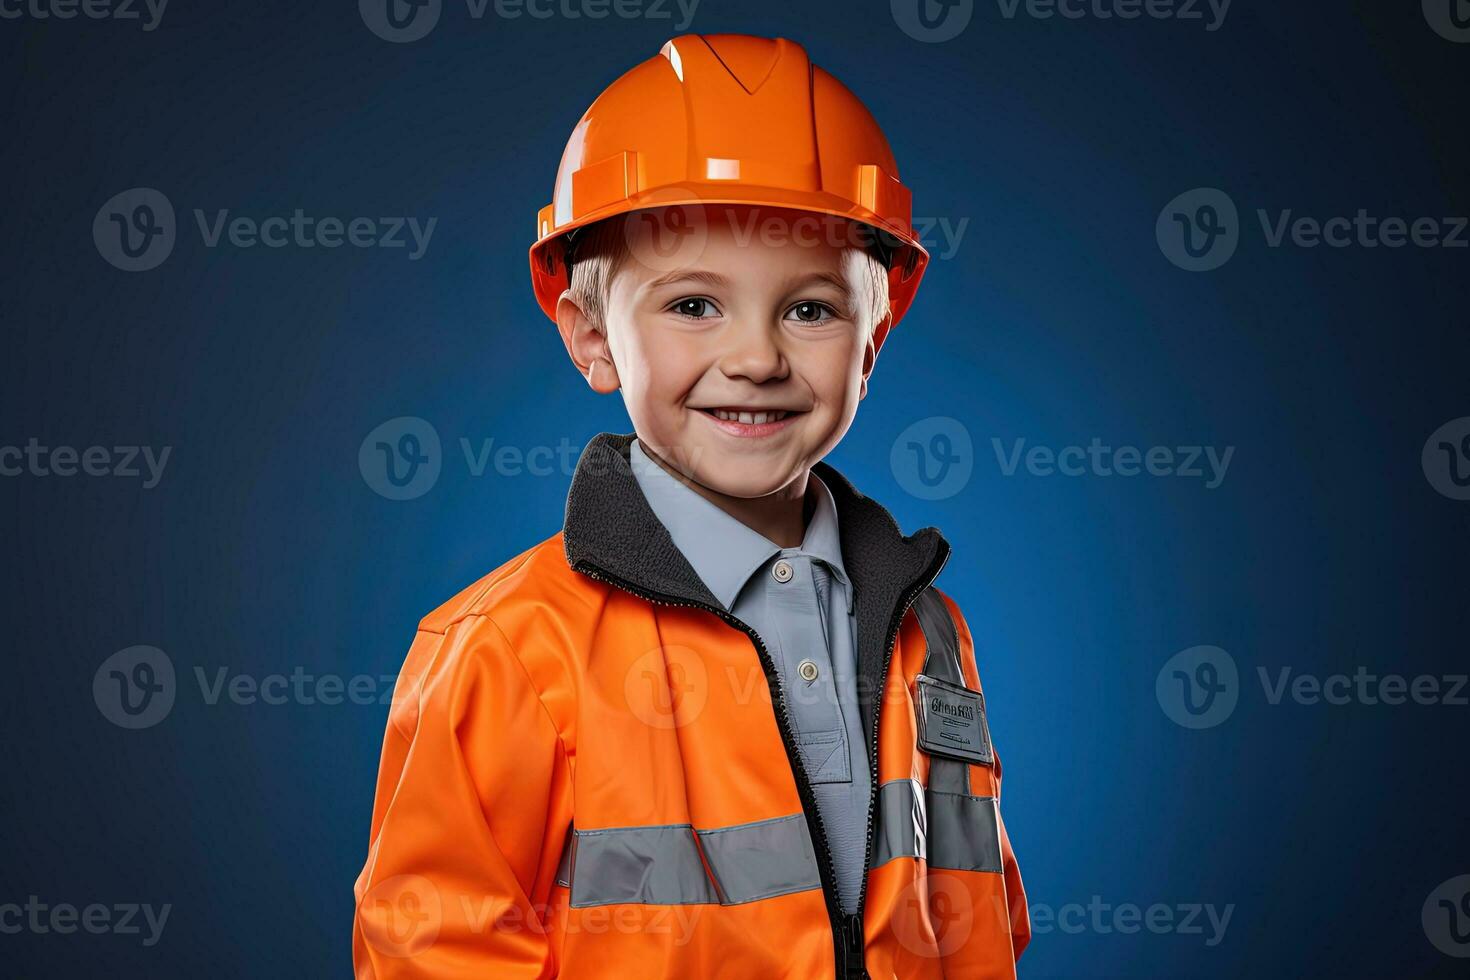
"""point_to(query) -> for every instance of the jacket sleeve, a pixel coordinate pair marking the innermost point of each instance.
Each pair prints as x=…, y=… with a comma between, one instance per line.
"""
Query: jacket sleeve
x=1015, y=890
x=471, y=810
x=1020, y=916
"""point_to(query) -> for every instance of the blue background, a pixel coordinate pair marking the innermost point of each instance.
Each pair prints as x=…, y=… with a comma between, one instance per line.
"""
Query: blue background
x=1057, y=320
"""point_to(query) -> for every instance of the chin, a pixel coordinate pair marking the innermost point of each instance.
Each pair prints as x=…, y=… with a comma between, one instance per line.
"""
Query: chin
x=747, y=482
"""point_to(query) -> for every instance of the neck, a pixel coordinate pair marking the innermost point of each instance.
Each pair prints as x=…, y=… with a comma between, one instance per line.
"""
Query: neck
x=780, y=517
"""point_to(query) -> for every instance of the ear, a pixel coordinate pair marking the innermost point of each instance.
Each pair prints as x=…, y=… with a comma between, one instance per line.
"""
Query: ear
x=870, y=358
x=586, y=345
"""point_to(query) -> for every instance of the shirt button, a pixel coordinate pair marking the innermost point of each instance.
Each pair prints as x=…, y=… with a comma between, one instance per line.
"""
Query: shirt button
x=781, y=571
x=807, y=669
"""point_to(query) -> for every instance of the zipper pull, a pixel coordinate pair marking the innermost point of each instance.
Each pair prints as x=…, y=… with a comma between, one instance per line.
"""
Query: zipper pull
x=852, y=948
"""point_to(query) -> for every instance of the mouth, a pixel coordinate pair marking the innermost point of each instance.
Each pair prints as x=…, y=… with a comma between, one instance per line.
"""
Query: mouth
x=748, y=422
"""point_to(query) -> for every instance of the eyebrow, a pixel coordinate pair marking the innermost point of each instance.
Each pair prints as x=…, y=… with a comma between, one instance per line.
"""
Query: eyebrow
x=832, y=279
x=696, y=275
x=715, y=279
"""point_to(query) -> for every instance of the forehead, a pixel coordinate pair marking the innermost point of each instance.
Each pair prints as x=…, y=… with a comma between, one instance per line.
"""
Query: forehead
x=735, y=240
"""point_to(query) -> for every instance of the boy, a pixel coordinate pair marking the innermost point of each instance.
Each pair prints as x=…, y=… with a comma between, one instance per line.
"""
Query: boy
x=722, y=724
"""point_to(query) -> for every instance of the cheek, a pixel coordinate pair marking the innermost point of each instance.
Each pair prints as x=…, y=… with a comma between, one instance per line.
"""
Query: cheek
x=661, y=365
x=838, y=375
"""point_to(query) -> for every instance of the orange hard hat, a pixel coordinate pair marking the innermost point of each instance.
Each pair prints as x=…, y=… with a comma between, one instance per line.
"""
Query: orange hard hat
x=730, y=119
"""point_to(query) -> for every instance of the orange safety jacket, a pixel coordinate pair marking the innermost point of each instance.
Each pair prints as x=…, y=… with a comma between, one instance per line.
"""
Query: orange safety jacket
x=589, y=772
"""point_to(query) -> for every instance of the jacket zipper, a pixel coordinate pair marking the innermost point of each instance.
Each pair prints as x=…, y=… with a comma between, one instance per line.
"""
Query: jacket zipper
x=924, y=582
x=847, y=930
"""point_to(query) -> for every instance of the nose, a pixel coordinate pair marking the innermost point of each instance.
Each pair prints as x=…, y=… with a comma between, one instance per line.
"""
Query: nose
x=752, y=350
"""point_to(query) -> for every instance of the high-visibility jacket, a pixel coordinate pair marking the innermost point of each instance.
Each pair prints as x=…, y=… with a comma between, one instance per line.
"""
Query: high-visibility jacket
x=589, y=772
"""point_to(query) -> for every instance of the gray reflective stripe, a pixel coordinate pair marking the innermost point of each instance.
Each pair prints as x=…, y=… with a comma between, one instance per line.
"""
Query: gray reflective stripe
x=762, y=859
x=952, y=831
x=902, y=825
x=640, y=865
x=942, y=660
x=964, y=832
x=943, y=657
x=663, y=865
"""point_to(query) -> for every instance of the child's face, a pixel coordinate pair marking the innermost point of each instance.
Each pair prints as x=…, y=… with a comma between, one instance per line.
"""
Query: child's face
x=766, y=316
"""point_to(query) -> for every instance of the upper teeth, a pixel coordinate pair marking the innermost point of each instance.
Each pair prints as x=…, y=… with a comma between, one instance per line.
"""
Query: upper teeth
x=749, y=418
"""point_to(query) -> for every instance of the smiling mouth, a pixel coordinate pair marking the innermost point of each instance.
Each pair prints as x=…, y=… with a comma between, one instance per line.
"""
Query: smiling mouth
x=751, y=423
x=749, y=416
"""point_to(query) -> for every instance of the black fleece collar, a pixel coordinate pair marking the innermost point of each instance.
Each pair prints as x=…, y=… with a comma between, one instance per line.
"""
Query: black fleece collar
x=611, y=532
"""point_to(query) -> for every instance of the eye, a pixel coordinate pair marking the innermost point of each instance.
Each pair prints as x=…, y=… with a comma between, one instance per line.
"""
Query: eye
x=694, y=308
x=811, y=312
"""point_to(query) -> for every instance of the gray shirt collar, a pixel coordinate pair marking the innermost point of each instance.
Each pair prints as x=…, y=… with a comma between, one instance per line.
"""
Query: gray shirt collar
x=723, y=552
